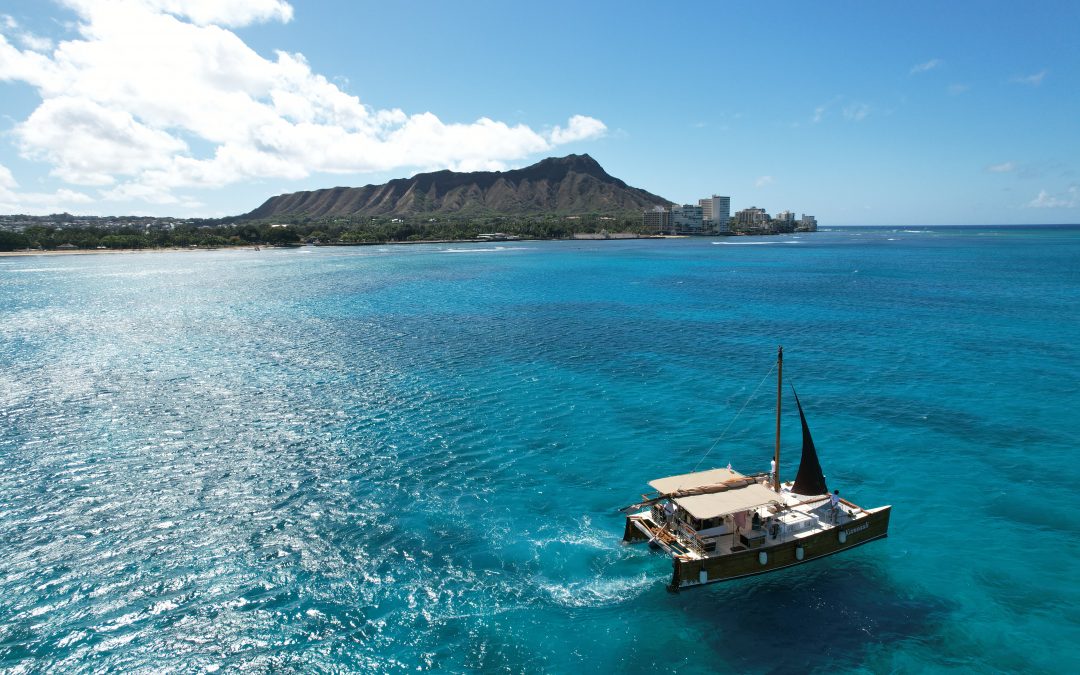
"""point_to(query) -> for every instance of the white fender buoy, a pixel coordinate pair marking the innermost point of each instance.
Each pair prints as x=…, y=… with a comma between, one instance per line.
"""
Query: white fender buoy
x=702, y=576
x=843, y=537
x=799, y=553
x=763, y=557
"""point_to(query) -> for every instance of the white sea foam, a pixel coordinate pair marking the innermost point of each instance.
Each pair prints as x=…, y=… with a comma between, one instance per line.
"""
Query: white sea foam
x=756, y=243
x=115, y=643
x=753, y=243
x=163, y=606
x=598, y=592
x=496, y=249
x=43, y=609
x=72, y=638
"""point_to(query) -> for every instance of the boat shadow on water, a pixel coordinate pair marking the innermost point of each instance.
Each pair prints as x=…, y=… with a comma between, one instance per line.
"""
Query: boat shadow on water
x=842, y=612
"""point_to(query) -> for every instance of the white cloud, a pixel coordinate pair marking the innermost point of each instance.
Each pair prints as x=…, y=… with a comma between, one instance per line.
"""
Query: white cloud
x=156, y=96
x=88, y=144
x=1031, y=80
x=7, y=181
x=856, y=112
x=923, y=67
x=34, y=42
x=27, y=39
x=579, y=128
x=13, y=201
x=233, y=13
x=762, y=181
x=1004, y=167
x=26, y=66
x=140, y=192
x=1045, y=200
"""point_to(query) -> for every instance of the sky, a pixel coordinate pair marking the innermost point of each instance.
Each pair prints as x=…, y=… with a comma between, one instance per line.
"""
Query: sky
x=860, y=113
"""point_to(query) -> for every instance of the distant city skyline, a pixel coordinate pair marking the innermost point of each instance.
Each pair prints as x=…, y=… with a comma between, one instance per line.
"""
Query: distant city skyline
x=860, y=113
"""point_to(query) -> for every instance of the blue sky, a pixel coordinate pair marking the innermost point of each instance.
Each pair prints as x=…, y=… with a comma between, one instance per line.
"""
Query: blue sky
x=856, y=112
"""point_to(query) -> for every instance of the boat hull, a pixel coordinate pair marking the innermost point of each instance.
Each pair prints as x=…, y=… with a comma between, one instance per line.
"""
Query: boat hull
x=687, y=573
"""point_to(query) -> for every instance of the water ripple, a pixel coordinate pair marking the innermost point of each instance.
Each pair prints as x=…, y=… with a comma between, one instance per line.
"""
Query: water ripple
x=389, y=459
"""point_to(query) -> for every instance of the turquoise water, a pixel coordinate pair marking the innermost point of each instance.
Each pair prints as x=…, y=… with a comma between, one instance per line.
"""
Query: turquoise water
x=410, y=458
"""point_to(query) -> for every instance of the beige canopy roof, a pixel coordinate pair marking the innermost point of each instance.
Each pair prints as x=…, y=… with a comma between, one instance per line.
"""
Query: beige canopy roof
x=739, y=495
x=686, y=481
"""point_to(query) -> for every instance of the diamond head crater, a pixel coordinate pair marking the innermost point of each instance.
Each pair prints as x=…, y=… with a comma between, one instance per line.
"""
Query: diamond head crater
x=556, y=198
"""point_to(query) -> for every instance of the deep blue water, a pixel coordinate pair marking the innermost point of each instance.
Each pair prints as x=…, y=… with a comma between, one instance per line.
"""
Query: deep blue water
x=410, y=458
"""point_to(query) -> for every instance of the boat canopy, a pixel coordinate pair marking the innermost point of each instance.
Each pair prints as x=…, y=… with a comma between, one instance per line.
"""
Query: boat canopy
x=714, y=493
x=689, y=481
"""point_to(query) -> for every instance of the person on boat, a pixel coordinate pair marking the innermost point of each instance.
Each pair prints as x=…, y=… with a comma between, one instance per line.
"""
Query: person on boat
x=773, y=527
x=669, y=512
x=772, y=472
x=834, y=502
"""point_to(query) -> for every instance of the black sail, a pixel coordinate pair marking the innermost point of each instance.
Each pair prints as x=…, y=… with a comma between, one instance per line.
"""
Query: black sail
x=810, y=480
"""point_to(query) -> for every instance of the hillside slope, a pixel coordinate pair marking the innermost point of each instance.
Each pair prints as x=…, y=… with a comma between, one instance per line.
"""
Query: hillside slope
x=574, y=184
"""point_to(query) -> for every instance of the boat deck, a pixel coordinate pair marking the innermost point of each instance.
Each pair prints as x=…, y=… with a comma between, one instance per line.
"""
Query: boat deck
x=803, y=517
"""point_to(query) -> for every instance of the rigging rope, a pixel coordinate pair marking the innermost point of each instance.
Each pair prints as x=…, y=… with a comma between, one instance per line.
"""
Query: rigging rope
x=724, y=433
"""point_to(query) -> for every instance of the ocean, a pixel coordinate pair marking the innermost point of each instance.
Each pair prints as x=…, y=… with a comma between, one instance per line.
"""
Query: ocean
x=411, y=458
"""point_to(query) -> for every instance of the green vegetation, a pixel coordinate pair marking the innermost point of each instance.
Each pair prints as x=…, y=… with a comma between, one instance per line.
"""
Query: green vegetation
x=83, y=233
x=10, y=241
x=52, y=232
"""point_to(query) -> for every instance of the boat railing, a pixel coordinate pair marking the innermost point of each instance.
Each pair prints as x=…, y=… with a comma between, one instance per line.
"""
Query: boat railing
x=690, y=538
x=658, y=514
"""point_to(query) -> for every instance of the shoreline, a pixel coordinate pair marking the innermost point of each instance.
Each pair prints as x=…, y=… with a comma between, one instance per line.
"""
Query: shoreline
x=93, y=251
x=252, y=247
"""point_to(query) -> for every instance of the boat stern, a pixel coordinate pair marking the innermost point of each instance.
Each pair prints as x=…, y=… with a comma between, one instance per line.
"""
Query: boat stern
x=638, y=529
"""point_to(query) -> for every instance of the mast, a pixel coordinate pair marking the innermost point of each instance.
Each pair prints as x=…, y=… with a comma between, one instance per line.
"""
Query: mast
x=779, y=388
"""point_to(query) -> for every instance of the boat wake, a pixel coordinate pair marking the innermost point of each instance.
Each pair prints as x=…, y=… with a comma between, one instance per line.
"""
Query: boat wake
x=598, y=592
x=497, y=249
x=586, y=535
x=755, y=243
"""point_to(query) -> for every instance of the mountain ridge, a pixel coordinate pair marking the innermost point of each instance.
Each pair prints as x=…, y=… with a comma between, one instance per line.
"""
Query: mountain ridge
x=574, y=184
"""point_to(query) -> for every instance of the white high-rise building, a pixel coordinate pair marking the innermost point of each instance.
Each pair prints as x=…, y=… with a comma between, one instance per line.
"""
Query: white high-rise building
x=716, y=212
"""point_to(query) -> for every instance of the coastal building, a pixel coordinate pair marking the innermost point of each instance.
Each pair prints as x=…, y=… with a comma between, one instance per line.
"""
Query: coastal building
x=753, y=220
x=752, y=216
x=686, y=219
x=657, y=219
x=715, y=213
x=807, y=224
x=711, y=216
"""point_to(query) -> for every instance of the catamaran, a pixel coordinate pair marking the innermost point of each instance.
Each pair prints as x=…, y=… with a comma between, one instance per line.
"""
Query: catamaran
x=719, y=524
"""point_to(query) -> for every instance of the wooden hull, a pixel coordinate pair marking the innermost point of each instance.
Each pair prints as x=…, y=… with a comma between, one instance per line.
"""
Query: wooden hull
x=688, y=572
